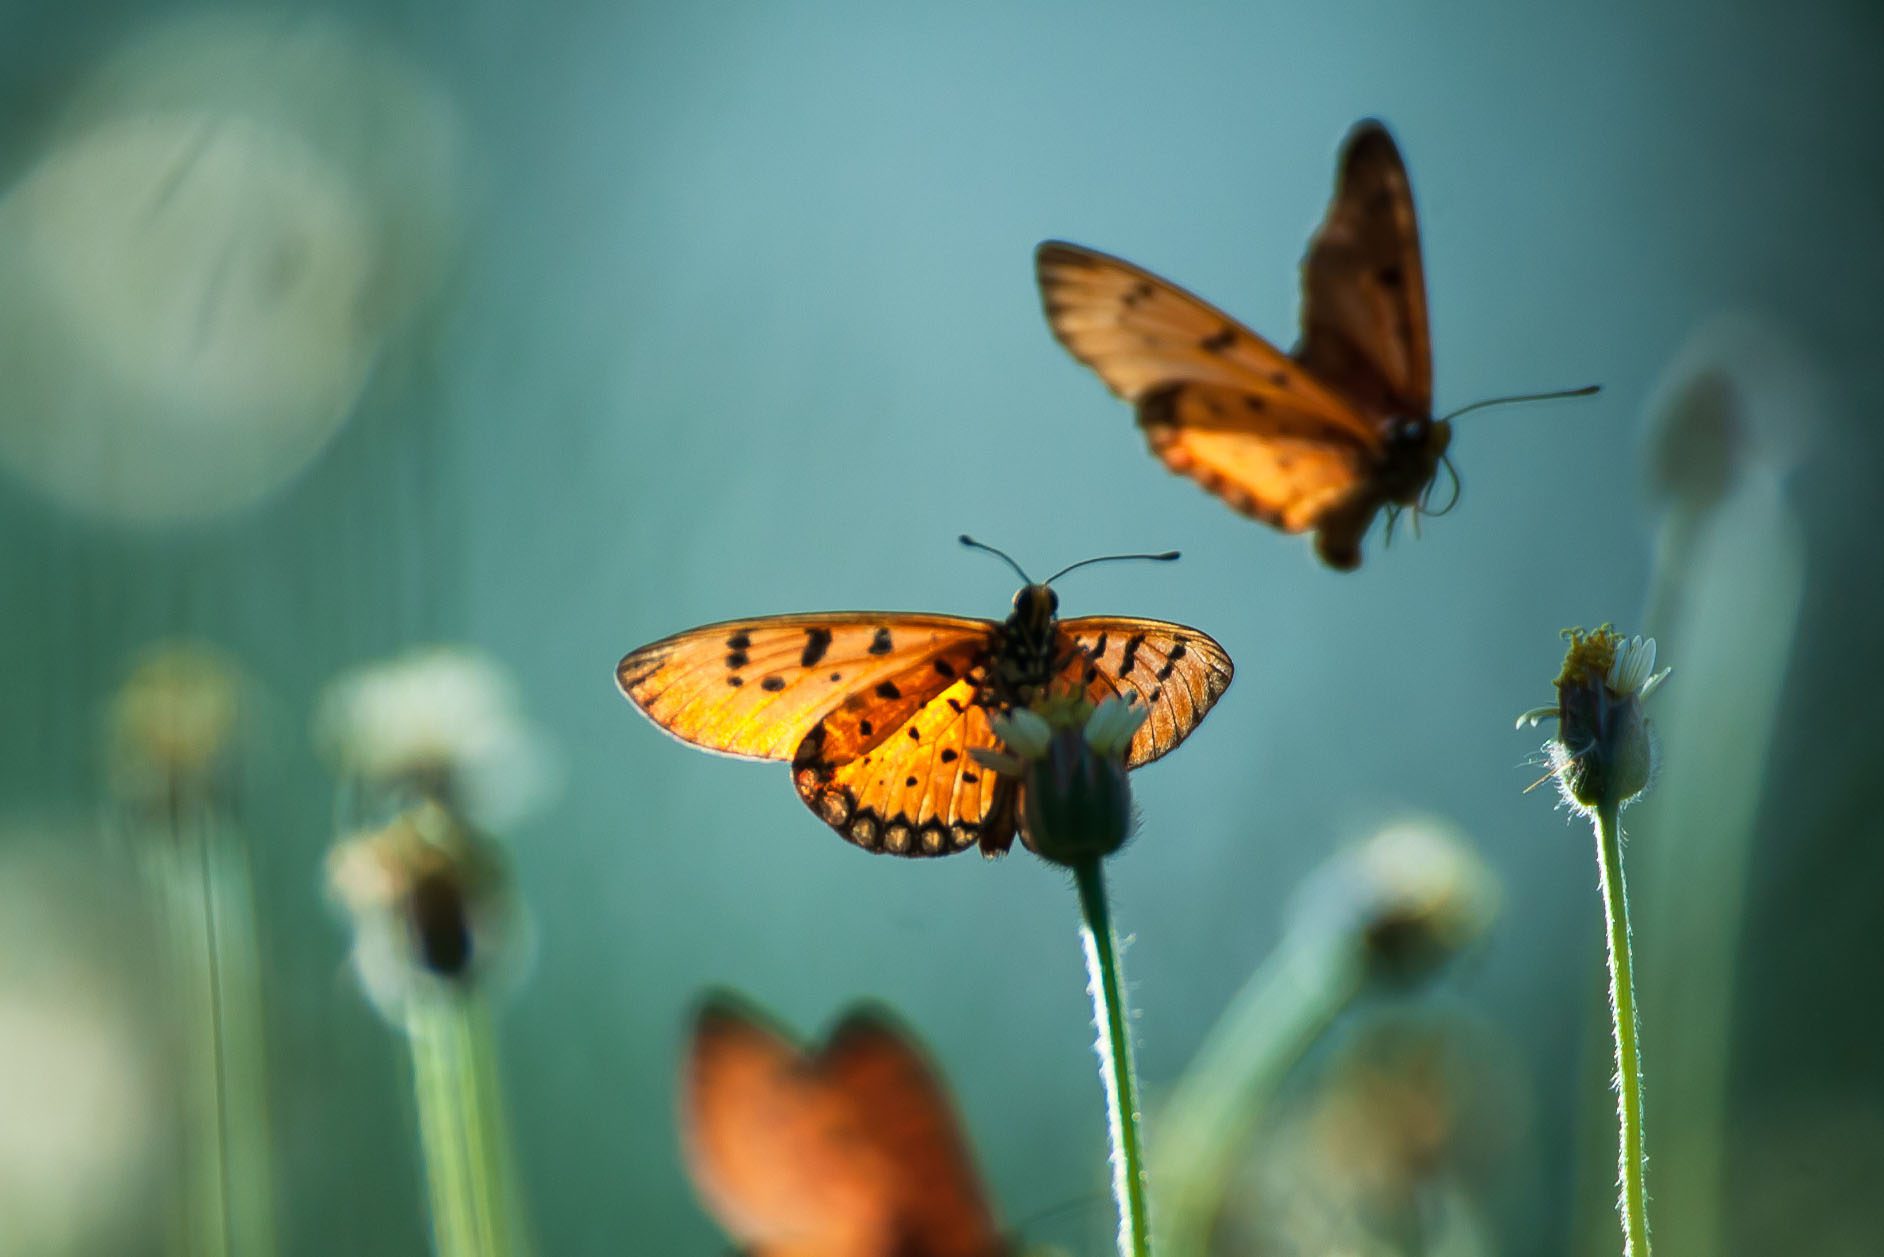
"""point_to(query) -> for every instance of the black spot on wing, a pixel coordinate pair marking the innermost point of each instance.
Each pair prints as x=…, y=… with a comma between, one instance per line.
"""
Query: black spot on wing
x=1130, y=658
x=772, y=684
x=880, y=643
x=817, y=641
x=1219, y=340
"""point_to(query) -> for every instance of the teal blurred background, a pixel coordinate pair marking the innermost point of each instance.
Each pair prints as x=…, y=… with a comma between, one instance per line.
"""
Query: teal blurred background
x=710, y=311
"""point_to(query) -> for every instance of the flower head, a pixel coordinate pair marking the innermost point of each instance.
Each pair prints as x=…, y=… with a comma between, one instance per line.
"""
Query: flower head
x=1412, y=896
x=172, y=723
x=431, y=907
x=1604, y=752
x=441, y=723
x=1069, y=757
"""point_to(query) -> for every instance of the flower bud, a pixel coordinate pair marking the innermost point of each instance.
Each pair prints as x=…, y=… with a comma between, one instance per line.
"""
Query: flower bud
x=1076, y=804
x=1604, y=752
x=1069, y=758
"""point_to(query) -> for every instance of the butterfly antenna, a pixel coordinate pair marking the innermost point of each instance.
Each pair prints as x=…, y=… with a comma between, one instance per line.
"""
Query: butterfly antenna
x=1166, y=556
x=1002, y=555
x=1588, y=390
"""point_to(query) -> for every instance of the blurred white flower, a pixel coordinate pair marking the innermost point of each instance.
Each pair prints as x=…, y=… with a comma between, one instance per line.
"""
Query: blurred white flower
x=432, y=910
x=171, y=723
x=1739, y=399
x=441, y=722
x=1412, y=895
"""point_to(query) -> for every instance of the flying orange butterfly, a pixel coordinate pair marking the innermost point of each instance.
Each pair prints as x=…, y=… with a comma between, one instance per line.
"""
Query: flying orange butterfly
x=849, y=1151
x=878, y=711
x=1319, y=439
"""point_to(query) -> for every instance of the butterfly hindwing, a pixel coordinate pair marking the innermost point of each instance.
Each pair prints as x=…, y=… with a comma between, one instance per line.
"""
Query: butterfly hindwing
x=1269, y=462
x=1177, y=673
x=910, y=787
x=755, y=688
x=1364, y=318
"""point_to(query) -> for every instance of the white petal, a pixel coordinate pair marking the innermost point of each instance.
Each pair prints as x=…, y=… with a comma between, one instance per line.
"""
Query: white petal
x=997, y=761
x=1536, y=714
x=1110, y=727
x=1024, y=732
x=1655, y=682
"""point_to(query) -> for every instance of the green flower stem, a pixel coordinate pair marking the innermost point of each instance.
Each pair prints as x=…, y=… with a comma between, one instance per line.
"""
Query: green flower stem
x=462, y=1129
x=199, y=877
x=1115, y=1059
x=1633, y=1204
x=1282, y=1010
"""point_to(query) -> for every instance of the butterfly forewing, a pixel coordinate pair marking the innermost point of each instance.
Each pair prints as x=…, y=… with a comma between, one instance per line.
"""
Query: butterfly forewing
x=779, y=1155
x=1364, y=321
x=944, y=1211
x=755, y=688
x=852, y=1151
x=1142, y=334
x=1174, y=672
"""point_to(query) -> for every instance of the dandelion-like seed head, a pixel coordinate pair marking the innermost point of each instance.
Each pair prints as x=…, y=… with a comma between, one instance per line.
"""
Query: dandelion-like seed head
x=172, y=723
x=441, y=723
x=431, y=907
x=1069, y=757
x=1604, y=751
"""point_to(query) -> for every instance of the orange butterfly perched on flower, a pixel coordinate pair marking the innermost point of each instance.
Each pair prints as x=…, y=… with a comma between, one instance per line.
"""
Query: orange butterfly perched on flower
x=879, y=713
x=849, y=1151
x=1320, y=439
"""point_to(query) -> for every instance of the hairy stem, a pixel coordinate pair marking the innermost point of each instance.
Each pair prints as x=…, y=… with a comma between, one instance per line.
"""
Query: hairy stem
x=1114, y=1046
x=1633, y=1202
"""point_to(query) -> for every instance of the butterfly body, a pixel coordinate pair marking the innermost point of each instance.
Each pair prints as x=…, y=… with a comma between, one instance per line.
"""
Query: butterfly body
x=1320, y=439
x=879, y=713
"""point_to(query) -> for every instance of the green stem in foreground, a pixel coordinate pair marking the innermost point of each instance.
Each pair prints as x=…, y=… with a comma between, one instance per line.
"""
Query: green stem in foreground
x=1115, y=1059
x=1229, y=1087
x=462, y=1129
x=1633, y=1203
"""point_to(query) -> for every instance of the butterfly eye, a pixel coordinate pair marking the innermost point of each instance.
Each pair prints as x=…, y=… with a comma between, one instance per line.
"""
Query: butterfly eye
x=1409, y=431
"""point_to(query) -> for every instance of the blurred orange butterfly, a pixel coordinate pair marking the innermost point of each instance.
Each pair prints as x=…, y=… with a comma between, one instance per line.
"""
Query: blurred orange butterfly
x=878, y=711
x=1319, y=439
x=849, y=1151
